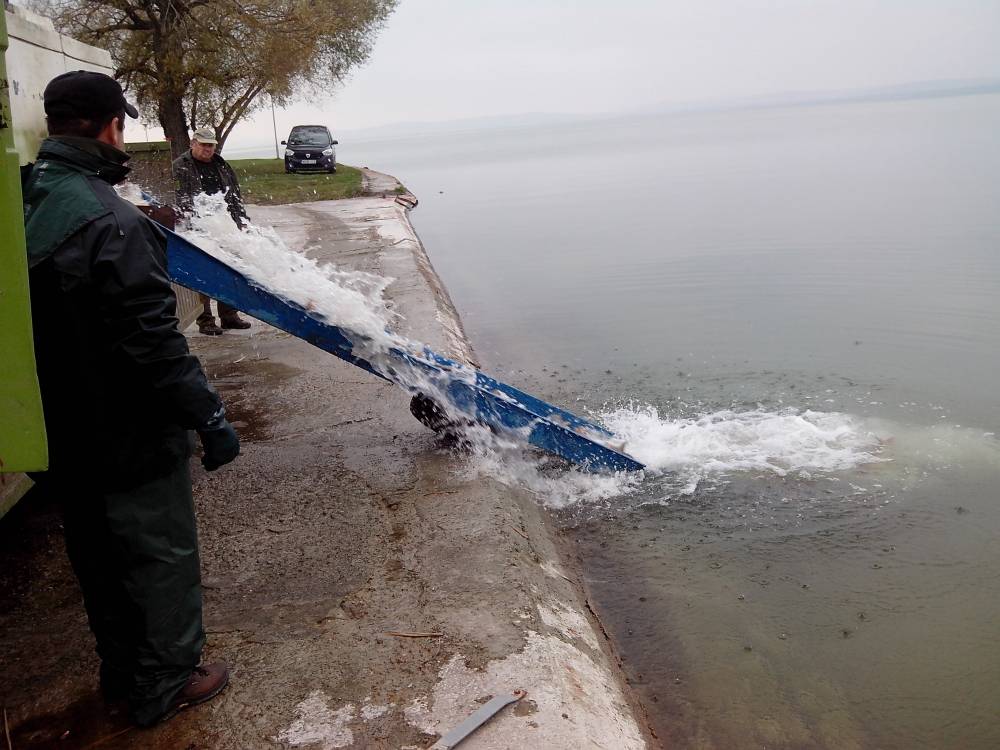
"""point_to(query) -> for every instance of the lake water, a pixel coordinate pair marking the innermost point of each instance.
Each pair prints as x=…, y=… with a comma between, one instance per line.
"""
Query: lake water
x=794, y=315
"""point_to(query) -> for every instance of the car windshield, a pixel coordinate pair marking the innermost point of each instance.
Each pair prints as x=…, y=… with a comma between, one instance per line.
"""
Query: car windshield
x=309, y=137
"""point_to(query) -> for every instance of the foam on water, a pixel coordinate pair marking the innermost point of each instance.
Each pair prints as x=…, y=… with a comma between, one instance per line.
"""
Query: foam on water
x=551, y=481
x=756, y=440
x=692, y=450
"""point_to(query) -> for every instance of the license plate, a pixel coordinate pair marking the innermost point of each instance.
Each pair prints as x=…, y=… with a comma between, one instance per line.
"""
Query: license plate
x=308, y=161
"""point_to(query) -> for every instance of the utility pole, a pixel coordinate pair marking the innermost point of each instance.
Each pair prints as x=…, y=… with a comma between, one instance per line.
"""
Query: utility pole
x=274, y=125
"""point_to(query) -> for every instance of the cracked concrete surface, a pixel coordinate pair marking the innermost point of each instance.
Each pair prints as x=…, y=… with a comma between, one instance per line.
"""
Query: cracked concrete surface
x=343, y=521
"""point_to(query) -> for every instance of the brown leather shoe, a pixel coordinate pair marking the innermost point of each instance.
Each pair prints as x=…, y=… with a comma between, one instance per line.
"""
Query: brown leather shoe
x=209, y=329
x=205, y=682
x=235, y=322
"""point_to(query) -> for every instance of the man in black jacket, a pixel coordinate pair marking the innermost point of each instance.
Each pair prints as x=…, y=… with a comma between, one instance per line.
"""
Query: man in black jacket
x=201, y=170
x=120, y=392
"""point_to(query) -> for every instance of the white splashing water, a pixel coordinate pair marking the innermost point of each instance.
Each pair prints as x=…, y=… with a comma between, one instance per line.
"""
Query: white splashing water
x=728, y=441
x=350, y=299
x=692, y=450
x=556, y=484
x=130, y=192
x=696, y=448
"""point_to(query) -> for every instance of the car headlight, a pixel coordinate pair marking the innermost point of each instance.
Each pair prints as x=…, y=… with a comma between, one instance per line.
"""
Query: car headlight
x=289, y=152
x=328, y=151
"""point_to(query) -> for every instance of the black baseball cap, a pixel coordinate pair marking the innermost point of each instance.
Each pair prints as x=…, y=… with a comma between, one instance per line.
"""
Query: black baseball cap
x=85, y=94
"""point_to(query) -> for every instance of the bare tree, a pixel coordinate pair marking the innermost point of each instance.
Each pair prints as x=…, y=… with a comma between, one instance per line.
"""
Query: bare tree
x=282, y=49
x=208, y=62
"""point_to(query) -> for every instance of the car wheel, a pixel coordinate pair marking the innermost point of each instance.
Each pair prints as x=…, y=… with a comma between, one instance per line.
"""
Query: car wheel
x=289, y=171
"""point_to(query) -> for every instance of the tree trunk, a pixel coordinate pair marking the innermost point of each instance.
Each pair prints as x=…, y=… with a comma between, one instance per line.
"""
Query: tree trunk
x=170, y=109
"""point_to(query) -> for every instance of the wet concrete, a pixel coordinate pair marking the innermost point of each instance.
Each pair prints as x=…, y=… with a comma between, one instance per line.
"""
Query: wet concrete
x=342, y=523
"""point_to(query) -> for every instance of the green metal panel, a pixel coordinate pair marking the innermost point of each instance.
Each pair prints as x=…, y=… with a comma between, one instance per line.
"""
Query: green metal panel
x=22, y=429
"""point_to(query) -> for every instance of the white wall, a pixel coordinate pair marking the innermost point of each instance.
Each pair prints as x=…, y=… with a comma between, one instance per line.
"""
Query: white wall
x=36, y=55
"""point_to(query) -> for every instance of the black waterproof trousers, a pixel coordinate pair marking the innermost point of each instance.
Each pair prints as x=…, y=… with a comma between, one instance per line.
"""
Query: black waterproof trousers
x=135, y=553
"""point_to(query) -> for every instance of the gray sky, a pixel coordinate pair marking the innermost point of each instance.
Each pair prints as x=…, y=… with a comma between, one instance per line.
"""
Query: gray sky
x=448, y=59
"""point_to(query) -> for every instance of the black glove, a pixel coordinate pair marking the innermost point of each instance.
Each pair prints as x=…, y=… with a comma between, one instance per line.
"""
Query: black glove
x=219, y=440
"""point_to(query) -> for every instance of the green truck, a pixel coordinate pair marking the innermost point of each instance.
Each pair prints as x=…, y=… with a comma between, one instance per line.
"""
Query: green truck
x=22, y=430
x=32, y=52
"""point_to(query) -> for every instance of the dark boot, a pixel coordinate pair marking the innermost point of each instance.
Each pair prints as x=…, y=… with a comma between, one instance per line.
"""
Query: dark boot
x=230, y=318
x=206, y=321
x=235, y=322
x=206, y=682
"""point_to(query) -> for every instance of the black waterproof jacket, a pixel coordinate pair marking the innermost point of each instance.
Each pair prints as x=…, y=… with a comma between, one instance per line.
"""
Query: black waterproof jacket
x=189, y=185
x=120, y=389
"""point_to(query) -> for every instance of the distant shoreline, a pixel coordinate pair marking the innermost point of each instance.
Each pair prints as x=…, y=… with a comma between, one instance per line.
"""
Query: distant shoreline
x=903, y=92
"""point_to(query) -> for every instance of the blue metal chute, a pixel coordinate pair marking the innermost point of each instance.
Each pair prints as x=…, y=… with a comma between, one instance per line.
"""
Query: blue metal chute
x=470, y=392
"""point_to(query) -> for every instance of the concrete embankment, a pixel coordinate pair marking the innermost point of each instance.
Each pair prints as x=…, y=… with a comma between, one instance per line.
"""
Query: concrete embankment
x=365, y=592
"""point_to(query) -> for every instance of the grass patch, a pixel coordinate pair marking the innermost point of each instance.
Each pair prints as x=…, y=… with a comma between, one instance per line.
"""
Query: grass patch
x=264, y=181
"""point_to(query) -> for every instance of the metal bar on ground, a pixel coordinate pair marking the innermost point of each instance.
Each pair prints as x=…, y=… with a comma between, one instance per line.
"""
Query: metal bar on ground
x=475, y=720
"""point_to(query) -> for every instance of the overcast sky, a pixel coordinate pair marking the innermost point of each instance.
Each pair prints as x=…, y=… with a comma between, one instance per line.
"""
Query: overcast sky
x=448, y=59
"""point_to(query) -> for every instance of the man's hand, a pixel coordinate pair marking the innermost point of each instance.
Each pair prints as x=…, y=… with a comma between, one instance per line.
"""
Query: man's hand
x=220, y=442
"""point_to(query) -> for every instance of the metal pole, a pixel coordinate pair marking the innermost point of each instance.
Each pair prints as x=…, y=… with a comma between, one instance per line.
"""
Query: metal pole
x=274, y=125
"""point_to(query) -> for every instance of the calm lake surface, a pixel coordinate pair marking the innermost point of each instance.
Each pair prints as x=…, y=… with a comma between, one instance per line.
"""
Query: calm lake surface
x=802, y=306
